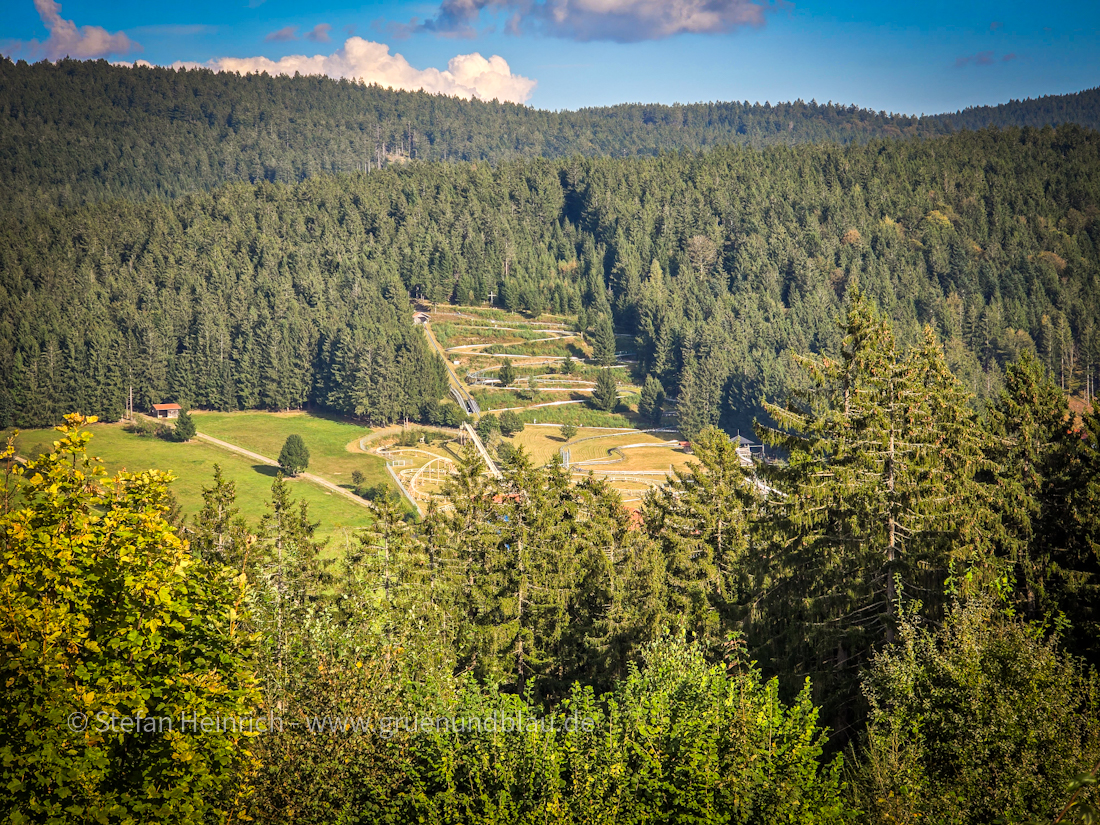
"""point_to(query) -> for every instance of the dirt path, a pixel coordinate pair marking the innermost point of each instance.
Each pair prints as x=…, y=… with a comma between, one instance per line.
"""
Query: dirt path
x=328, y=485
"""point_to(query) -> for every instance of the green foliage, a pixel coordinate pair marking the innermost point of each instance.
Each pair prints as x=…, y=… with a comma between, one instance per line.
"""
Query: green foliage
x=880, y=493
x=702, y=519
x=294, y=457
x=676, y=741
x=510, y=423
x=219, y=533
x=107, y=614
x=651, y=401
x=487, y=425
x=194, y=129
x=185, y=427
x=568, y=431
x=606, y=394
x=568, y=366
x=560, y=587
x=506, y=374
x=277, y=296
x=603, y=342
x=980, y=721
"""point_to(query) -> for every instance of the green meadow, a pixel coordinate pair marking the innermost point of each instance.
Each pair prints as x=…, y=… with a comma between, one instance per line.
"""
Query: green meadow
x=193, y=463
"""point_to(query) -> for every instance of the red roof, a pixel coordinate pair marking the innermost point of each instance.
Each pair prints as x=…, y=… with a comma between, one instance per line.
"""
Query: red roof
x=167, y=407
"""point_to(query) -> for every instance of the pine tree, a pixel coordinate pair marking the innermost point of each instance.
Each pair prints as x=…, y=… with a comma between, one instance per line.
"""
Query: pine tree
x=702, y=520
x=294, y=457
x=606, y=395
x=219, y=533
x=603, y=342
x=506, y=374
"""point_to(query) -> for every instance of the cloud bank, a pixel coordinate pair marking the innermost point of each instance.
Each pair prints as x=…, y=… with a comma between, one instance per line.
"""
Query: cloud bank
x=625, y=21
x=66, y=40
x=467, y=75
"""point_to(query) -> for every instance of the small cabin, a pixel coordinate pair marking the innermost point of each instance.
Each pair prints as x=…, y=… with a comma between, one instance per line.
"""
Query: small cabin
x=166, y=410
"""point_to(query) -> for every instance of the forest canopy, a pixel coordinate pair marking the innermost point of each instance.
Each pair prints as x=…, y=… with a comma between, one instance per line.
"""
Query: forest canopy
x=718, y=263
x=80, y=131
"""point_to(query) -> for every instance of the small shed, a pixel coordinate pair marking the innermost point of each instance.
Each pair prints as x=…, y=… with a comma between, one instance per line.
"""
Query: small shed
x=420, y=317
x=166, y=410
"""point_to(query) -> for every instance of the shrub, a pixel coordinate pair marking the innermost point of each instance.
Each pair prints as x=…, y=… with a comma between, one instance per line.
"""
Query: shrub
x=980, y=720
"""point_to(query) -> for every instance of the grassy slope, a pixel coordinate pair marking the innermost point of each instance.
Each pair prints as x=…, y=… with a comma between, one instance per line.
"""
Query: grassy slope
x=192, y=464
x=326, y=438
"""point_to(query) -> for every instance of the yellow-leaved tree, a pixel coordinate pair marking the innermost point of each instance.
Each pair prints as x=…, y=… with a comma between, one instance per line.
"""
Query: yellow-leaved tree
x=128, y=692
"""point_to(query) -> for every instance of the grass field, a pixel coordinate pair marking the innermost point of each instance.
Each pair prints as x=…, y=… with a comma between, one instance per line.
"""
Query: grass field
x=193, y=466
x=326, y=438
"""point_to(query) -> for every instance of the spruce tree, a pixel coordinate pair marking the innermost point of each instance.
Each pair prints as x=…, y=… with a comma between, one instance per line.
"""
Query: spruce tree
x=603, y=342
x=606, y=395
x=506, y=374
x=185, y=427
x=653, y=396
x=878, y=502
x=294, y=457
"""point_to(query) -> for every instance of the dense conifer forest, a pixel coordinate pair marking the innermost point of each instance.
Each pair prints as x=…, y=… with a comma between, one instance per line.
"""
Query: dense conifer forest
x=75, y=131
x=717, y=263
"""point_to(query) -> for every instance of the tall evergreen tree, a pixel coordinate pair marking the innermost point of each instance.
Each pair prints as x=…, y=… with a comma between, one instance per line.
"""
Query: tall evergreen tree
x=603, y=342
x=606, y=395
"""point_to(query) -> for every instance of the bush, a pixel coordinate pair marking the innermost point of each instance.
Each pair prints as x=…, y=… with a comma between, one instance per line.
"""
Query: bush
x=568, y=431
x=487, y=425
x=978, y=721
x=677, y=741
x=294, y=457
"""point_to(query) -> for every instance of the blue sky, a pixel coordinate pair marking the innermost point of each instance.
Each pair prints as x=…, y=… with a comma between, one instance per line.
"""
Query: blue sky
x=564, y=54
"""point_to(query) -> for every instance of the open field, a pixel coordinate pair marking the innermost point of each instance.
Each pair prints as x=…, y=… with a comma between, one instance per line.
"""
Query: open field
x=193, y=465
x=631, y=469
x=326, y=438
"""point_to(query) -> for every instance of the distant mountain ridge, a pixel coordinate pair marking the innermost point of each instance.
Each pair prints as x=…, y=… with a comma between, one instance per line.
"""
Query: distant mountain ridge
x=77, y=132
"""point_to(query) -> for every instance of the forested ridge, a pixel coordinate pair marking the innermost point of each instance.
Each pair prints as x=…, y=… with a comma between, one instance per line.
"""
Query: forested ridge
x=718, y=263
x=74, y=132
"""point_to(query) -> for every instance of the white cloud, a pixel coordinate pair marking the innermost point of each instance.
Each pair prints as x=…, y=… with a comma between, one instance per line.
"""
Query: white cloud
x=66, y=40
x=621, y=20
x=467, y=75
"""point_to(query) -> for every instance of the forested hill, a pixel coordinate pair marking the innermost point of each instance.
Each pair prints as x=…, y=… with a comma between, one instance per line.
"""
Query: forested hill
x=77, y=132
x=719, y=263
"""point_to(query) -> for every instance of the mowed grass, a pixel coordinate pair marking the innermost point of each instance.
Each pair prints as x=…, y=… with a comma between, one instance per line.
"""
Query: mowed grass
x=326, y=438
x=542, y=443
x=193, y=465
